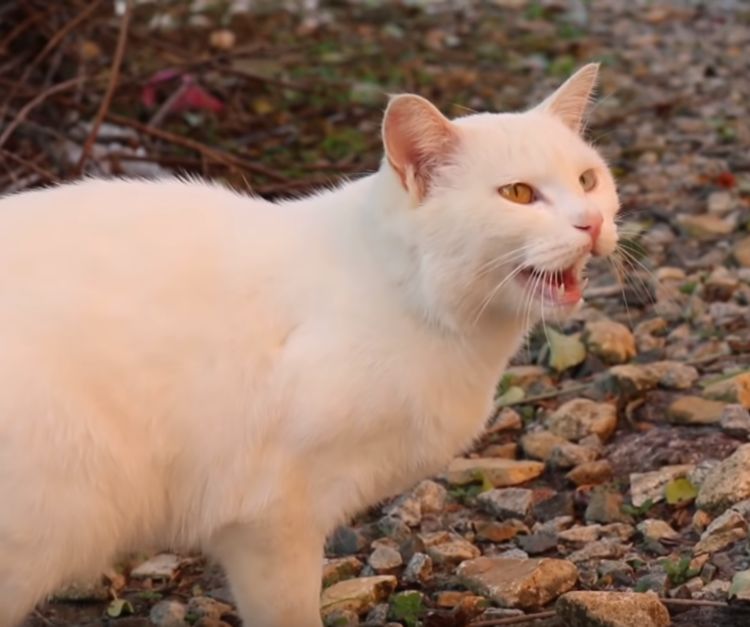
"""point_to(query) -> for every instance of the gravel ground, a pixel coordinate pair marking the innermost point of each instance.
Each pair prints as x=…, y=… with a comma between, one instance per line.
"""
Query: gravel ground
x=612, y=487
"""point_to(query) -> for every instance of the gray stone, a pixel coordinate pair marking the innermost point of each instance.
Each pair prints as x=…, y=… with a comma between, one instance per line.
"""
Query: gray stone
x=605, y=506
x=346, y=540
x=341, y=618
x=611, y=609
x=419, y=569
x=580, y=535
x=569, y=454
x=655, y=529
x=727, y=483
x=649, y=486
x=518, y=583
x=720, y=202
x=207, y=608
x=735, y=421
x=581, y=417
x=378, y=615
x=722, y=532
x=385, y=560
x=507, y=502
x=168, y=614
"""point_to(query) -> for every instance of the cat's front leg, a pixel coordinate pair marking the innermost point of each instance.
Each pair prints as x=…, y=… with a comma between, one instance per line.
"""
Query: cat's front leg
x=274, y=571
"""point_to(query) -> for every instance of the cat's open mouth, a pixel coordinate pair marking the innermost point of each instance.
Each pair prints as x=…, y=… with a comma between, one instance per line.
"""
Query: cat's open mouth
x=555, y=287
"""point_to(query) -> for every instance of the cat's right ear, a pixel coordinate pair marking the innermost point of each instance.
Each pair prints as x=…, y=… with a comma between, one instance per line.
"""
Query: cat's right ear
x=417, y=138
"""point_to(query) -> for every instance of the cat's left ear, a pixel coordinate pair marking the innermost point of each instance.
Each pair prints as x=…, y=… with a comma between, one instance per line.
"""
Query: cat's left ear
x=570, y=101
x=417, y=139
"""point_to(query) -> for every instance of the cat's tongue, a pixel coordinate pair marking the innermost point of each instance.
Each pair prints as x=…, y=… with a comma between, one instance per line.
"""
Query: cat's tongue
x=562, y=287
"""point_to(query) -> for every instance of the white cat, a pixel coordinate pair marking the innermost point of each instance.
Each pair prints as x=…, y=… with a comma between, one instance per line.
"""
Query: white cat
x=182, y=365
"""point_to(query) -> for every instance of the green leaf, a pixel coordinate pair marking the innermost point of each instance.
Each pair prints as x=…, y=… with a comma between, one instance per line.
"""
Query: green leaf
x=565, y=351
x=406, y=607
x=680, y=491
x=514, y=394
x=119, y=607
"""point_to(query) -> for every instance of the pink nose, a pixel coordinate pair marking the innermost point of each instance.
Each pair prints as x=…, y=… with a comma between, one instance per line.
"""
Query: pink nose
x=593, y=226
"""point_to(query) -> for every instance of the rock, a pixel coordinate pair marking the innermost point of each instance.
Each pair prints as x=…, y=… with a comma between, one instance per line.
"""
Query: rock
x=591, y=473
x=705, y=225
x=611, y=609
x=508, y=450
x=736, y=389
x=654, y=529
x=168, y=614
x=555, y=505
x=740, y=588
x=569, y=454
x=605, y=506
x=518, y=583
x=377, y=615
x=580, y=535
x=649, y=334
x=540, y=444
x=499, y=472
x=427, y=497
x=206, y=608
x=445, y=547
x=727, y=483
x=83, y=592
x=357, y=595
x=720, y=285
x=720, y=202
x=649, y=486
x=341, y=618
x=741, y=252
x=341, y=568
x=610, y=340
x=385, y=560
x=507, y=502
x=346, y=540
x=494, y=531
x=616, y=571
x=538, y=542
x=716, y=590
x=735, y=421
x=618, y=531
x=601, y=549
x=581, y=417
x=507, y=420
x=394, y=528
x=694, y=410
x=162, y=566
x=524, y=376
x=724, y=531
x=419, y=569
x=634, y=378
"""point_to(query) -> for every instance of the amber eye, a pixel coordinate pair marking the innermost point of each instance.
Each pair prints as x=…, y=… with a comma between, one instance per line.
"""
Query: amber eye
x=520, y=193
x=588, y=180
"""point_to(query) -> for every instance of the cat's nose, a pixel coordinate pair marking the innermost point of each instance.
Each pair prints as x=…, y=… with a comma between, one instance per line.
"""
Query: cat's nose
x=591, y=224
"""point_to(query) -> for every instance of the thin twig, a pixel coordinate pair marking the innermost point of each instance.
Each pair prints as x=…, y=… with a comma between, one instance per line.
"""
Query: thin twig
x=34, y=102
x=514, y=620
x=693, y=603
x=114, y=74
x=51, y=44
x=49, y=176
x=211, y=153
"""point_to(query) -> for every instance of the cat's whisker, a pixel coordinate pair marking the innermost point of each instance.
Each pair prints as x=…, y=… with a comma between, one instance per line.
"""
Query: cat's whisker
x=494, y=291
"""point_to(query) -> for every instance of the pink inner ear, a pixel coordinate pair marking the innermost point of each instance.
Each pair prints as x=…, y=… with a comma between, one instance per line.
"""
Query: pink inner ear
x=417, y=138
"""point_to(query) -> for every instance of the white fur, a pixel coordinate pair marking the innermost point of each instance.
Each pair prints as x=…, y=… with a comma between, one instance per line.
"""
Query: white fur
x=185, y=366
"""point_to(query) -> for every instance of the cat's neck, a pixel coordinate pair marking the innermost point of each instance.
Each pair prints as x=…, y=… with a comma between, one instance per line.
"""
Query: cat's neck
x=428, y=276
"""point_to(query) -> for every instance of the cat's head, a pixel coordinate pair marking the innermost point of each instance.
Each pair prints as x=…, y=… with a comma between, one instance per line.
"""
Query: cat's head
x=516, y=203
